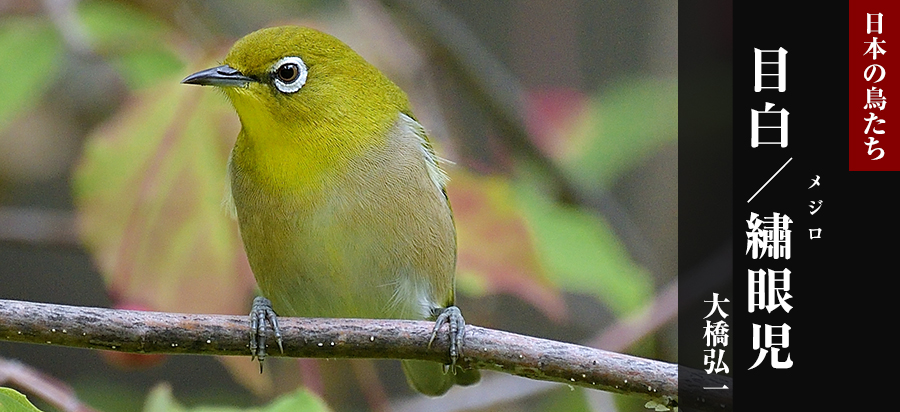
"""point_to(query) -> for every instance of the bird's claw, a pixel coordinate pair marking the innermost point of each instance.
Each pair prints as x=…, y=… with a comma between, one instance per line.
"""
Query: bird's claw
x=457, y=325
x=260, y=313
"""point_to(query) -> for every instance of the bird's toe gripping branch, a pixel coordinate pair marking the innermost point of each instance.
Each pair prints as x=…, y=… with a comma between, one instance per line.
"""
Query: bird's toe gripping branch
x=457, y=330
x=260, y=313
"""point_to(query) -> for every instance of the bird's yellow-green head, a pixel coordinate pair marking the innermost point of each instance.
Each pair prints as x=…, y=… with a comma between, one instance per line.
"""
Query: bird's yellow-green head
x=304, y=98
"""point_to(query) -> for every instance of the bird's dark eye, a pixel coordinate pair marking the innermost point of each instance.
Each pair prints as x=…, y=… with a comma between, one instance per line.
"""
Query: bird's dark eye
x=288, y=73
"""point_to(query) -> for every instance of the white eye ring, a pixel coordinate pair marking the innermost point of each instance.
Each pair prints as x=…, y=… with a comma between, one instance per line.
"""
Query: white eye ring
x=289, y=74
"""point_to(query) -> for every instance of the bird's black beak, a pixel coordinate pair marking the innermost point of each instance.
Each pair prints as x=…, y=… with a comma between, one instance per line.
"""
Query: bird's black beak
x=224, y=76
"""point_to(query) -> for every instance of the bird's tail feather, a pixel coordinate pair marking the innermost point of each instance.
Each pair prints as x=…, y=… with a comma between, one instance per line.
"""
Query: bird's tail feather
x=430, y=378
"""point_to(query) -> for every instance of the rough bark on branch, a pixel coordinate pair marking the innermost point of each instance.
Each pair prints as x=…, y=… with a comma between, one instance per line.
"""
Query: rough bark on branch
x=178, y=333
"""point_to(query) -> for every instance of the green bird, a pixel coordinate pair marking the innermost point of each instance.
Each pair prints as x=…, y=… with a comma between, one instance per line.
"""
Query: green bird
x=339, y=196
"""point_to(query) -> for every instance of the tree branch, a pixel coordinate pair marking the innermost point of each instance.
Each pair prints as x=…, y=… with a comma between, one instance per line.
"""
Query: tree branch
x=179, y=333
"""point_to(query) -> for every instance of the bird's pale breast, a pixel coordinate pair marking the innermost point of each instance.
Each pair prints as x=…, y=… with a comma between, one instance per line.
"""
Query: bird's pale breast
x=376, y=242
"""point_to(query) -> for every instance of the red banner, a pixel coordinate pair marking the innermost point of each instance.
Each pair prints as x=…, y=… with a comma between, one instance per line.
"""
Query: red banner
x=874, y=72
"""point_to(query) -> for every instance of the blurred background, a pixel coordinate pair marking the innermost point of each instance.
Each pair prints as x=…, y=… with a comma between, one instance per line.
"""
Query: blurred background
x=560, y=117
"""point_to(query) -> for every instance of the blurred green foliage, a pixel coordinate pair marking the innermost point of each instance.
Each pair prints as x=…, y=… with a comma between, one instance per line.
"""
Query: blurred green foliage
x=300, y=400
x=13, y=401
x=583, y=255
x=624, y=125
x=29, y=60
x=136, y=44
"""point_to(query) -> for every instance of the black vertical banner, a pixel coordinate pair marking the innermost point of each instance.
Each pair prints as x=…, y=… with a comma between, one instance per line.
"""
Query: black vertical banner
x=785, y=197
x=705, y=177
x=786, y=152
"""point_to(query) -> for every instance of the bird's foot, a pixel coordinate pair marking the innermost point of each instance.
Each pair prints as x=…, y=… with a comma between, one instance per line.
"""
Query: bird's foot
x=457, y=325
x=260, y=313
